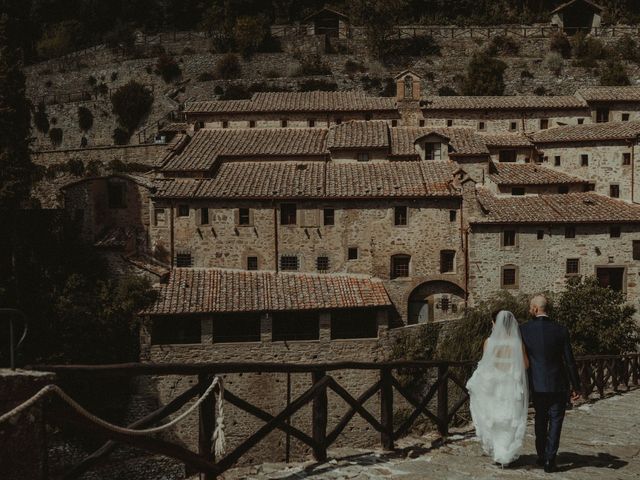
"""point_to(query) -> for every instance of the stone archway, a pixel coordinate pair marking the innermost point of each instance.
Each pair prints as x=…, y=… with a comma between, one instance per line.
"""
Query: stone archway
x=435, y=301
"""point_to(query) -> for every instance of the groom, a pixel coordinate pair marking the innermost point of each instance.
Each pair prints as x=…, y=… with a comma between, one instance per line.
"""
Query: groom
x=550, y=356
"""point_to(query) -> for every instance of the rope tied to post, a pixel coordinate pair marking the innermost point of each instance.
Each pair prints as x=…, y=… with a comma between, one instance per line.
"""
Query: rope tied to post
x=218, y=436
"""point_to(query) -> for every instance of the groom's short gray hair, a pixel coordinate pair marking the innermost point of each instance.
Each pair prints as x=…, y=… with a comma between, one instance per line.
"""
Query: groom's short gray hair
x=539, y=301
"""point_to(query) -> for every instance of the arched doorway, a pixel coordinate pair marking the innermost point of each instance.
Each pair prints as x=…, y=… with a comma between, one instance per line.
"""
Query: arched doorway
x=435, y=301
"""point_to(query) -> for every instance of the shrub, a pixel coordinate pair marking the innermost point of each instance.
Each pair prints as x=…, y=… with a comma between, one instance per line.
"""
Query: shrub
x=148, y=69
x=314, y=84
x=40, y=119
x=83, y=142
x=75, y=167
x=540, y=90
x=121, y=136
x=228, y=67
x=525, y=74
x=553, y=62
x=94, y=168
x=114, y=76
x=614, y=73
x=503, y=45
x=626, y=48
x=55, y=135
x=101, y=89
x=484, y=76
x=131, y=103
x=560, y=43
x=312, y=65
x=249, y=33
x=447, y=91
x=205, y=77
x=235, y=92
x=85, y=118
x=92, y=81
x=218, y=90
x=587, y=50
x=168, y=68
x=352, y=67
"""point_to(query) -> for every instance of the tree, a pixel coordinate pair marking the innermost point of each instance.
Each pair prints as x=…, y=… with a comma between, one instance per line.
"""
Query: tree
x=599, y=319
x=131, y=103
x=484, y=76
x=85, y=118
x=379, y=17
x=228, y=67
x=249, y=33
x=613, y=73
x=15, y=123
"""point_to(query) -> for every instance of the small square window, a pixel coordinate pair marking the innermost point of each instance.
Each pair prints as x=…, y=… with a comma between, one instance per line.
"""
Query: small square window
x=352, y=253
x=563, y=189
x=311, y=122
x=519, y=191
x=507, y=156
x=569, y=232
x=626, y=158
x=544, y=123
x=252, y=263
x=481, y=125
x=447, y=261
x=580, y=121
x=284, y=123
x=363, y=156
x=183, y=260
x=614, y=232
x=602, y=115
x=422, y=123
x=449, y=123
x=513, y=126
x=225, y=124
x=573, y=266
x=636, y=250
x=183, y=210
x=625, y=117
x=204, y=216
x=288, y=213
x=329, y=216
x=288, y=263
x=584, y=160
x=244, y=216
x=400, y=216
x=540, y=234
x=509, y=277
x=614, y=191
x=338, y=121
x=453, y=215
x=394, y=123
x=322, y=264
x=400, y=266
x=252, y=124
x=556, y=160
x=509, y=238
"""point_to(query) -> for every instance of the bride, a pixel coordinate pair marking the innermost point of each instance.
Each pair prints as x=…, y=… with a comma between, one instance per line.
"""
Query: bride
x=499, y=391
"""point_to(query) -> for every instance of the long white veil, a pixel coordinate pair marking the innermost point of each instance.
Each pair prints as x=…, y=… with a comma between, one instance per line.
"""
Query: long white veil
x=499, y=391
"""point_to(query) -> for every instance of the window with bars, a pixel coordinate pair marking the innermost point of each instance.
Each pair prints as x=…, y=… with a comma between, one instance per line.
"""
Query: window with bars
x=322, y=264
x=626, y=158
x=204, y=216
x=183, y=210
x=509, y=276
x=400, y=266
x=311, y=122
x=252, y=263
x=183, y=259
x=288, y=214
x=481, y=125
x=573, y=266
x=447, y=261
x=544, y=123
x=508, y=238
x=400, y=216
x=614, y=191
x=433, y=151
x=329, y=216
x=602, y=115
x=289, y=263
x=244, y=216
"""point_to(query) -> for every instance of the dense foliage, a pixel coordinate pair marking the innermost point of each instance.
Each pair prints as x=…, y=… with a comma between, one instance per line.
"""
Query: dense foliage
x=131, y=104
x=484, y=75
x=85, y=118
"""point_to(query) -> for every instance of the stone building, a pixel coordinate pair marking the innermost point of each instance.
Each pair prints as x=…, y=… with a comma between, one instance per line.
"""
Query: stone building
x=328, y=22
x=612, y=104
x=577, y=15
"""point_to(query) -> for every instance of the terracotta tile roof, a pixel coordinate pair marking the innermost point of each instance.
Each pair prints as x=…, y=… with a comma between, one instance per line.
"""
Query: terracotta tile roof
x=207, y=145
x=505, y=140
x=529, y=174
x=285, y=179
x=588, y=132
x=174, y=127
x=514, y=102
x=464, y=141
x=581, y=3
x=610, y=94
x=586, y=207
x=194, y=290
x=359, y=134
x=316, y=101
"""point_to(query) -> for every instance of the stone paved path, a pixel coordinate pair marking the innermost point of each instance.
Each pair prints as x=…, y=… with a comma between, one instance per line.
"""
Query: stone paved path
x=600, y=440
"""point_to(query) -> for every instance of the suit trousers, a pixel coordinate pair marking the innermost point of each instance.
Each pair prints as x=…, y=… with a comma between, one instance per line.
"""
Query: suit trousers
x=550, y=408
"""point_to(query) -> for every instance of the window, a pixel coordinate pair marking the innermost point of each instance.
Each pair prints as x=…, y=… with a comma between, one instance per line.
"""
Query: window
x=636, y=250
x=563, y=189
x=513, y=126
x=447, y=261
x=602, y=115
x=421, y=123
x=363, y=156
x=175, y=330
x=453, y=214
x=204, y=216
x=234, y=327
x=368, y=116
x=450, y=124
x=556, y=160
x=432, y=151
x=394, y=123
x=544, y=123
x=589, y=187
x=540, y=234
x=329, y=216
x=481, y=126
x=400, y=216
x=290, y=326
x=400, y=266
x=508, y=238
x=519, y=191
x=289, y=263
x=116, y=194
x=352, y=253
x=244, y=216
x=252, y=263
x=507, y=156
x=584, y=160
x=614, y=232
x=338, y=121
x=361, y=323
x=225, y=124
x=625, y=117
x=159, y=216
x=288, y=214
x=569, y=232
x=626, y=158
x=252, y=124
x=573, y=266
x=183, y=210
x=322, y=264
x=311, y=122
x=510, y=276
x=614, y=191
x=284, y=123
x=183, y=260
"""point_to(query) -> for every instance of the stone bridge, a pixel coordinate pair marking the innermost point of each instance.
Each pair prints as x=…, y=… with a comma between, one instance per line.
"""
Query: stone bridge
x=600, y=440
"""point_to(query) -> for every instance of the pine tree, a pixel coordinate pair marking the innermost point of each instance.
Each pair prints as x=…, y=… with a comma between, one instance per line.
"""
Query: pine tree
x=15, y=118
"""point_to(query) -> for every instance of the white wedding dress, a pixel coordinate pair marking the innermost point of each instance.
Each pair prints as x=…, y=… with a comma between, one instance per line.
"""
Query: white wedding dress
x=499, y=392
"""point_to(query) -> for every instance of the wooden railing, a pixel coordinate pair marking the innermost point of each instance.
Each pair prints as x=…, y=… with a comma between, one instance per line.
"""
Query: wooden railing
x=440, y=398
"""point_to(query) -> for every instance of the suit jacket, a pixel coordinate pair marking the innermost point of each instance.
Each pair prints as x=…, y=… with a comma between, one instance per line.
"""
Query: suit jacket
x=550, y=356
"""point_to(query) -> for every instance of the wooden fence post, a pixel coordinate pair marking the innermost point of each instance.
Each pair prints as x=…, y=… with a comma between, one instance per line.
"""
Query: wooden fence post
x=600, y=377
x=386, y=409
x=319, y=419
x=636, y=369
x=206, y=424
x=443, y=399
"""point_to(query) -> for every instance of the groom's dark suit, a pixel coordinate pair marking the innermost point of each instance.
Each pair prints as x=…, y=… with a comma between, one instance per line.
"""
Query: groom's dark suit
x=550, y=361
